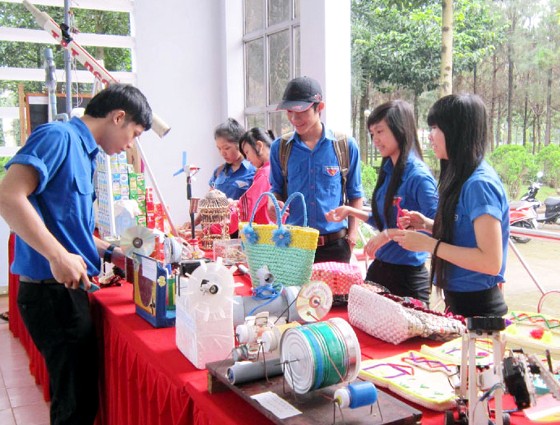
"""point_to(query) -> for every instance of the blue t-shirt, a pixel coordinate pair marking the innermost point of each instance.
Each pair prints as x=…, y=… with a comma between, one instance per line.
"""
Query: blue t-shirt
x=63, y=154
x=316, y=174
x=483, y=193
x=418, y=192
x=233, y=183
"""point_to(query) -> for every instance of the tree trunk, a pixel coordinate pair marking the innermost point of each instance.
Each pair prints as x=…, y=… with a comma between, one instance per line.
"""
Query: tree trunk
x=534, y=134
x=362, y=119
x=493, y=104
x=525, y=117
x=510, y=55
x=548, y=119
x=446, y=71
x=499, y=123
x=474, y=79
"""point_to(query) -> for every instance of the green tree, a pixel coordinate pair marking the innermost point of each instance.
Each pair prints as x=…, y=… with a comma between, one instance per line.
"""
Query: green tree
x=395, y=48
x=30, y=55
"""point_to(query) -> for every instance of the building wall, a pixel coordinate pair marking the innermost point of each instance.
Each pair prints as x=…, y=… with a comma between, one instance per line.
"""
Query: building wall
x=189, y=62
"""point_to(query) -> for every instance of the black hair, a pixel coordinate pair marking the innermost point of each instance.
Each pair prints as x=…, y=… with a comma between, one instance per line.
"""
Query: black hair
x=251, y=138
x=125, y=97
x=399, y=117
x=462, y=120
x=230, y=130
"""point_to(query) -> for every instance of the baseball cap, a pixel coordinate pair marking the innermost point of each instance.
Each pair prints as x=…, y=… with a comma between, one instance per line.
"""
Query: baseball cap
x=300, y=94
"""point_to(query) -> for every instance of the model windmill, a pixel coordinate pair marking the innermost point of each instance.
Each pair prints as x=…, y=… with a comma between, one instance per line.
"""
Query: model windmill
x=190, y=171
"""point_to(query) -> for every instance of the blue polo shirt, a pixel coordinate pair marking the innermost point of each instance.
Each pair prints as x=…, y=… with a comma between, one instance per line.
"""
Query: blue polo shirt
x=316, y=174
x=233, y=183
x=483, y=193
x=418, y=192
x=63, y=154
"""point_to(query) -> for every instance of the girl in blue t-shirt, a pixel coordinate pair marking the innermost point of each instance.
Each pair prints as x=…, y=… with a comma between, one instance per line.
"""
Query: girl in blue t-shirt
x=471, y=227
x=404, y=179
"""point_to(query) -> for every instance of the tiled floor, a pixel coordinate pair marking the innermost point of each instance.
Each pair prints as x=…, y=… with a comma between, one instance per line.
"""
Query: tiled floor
x=21, y=400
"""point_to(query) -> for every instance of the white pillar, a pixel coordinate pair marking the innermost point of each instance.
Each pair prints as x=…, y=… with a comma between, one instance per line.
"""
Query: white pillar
x=326, y=56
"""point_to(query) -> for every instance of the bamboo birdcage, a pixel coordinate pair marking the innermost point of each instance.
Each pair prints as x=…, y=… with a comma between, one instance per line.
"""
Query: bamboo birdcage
x=214, y=217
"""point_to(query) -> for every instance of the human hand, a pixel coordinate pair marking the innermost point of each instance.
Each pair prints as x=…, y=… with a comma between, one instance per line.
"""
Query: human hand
x=414, y=241
x=375, y=243
x=71, y=270
x=338, y=214
x=413, y=220
x=272, y=210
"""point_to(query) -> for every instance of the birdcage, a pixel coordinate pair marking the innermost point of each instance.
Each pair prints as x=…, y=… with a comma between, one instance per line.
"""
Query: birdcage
x=214, y=214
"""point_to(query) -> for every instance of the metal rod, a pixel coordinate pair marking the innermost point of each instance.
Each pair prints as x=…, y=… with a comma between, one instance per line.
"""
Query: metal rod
x=68, y=63
x=525, y=265
x=156, y=188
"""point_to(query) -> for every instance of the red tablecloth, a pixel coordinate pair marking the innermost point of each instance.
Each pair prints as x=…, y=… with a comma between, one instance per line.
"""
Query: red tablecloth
x=147, y=380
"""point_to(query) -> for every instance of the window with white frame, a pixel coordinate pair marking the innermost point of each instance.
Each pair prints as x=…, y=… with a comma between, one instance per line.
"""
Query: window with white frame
x=272, y=50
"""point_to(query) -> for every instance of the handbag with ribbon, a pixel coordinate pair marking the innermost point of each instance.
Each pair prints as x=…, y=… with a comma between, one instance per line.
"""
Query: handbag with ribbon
x=288, y=251
x=392, y=319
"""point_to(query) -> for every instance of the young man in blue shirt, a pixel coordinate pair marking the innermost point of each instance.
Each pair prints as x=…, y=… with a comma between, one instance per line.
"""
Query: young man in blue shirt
x=313, y=169
x=47, y=199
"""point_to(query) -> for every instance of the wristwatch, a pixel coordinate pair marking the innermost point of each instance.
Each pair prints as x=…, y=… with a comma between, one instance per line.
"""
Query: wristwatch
x=108, y=254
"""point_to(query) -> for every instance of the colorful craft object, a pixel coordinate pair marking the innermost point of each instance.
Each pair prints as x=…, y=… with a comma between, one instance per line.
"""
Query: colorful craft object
x=339, y=276
x=450, y=352
x=534, y=332
x=417, y=377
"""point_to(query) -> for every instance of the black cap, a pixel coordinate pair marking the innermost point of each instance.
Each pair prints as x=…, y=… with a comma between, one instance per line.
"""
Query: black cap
x=300, y=94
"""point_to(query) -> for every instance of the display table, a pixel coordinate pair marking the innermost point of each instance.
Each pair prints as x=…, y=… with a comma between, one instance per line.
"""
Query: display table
x=146, y=380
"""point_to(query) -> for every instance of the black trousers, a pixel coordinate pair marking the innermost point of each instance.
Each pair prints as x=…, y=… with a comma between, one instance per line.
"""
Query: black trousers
x=59, y=322
x=401, y=280
x=338, y=251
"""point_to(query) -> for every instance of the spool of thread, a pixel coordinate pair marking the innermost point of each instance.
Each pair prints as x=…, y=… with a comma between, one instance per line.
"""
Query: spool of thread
x=355, y=395
x=320, y=354
x=242, y=372
x=271, y=338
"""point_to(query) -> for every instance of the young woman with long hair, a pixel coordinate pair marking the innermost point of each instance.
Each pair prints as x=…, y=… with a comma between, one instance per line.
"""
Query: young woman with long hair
x=471, y=229
x=404, y=183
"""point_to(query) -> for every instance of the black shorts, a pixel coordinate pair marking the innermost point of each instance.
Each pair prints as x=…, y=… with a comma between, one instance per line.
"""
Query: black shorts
x=488, y=302
x=401, y=280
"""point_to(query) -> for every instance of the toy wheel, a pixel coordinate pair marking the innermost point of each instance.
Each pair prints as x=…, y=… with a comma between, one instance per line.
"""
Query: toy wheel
x=449, y=419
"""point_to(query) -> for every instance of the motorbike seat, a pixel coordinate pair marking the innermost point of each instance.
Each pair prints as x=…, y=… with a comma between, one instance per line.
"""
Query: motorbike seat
x=552, y=201
x=523, y=205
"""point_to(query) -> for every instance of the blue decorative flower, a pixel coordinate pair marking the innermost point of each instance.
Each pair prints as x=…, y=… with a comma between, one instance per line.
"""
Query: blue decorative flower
x=250, y=235
x=282, y=237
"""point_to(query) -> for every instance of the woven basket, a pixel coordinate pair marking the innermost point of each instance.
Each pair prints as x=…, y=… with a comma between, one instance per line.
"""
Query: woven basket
x=393, y=320
x=288, y=251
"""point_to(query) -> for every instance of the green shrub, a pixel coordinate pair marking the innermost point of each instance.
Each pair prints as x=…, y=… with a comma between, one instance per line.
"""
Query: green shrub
x=369, y=178
x=548, y=160
x=513, y=163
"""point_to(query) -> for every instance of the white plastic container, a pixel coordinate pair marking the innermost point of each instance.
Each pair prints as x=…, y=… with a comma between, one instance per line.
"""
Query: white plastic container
x=204, y=321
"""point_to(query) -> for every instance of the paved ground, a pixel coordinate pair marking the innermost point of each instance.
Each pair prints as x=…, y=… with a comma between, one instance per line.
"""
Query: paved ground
x=543, y=259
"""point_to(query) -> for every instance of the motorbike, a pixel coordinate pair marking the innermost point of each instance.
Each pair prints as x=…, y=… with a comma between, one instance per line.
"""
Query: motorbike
x=551, y=203
x=523, y=214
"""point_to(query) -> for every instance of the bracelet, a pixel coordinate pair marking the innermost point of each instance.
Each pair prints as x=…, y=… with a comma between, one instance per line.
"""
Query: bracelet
x=108, y=254
x=434, y=254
